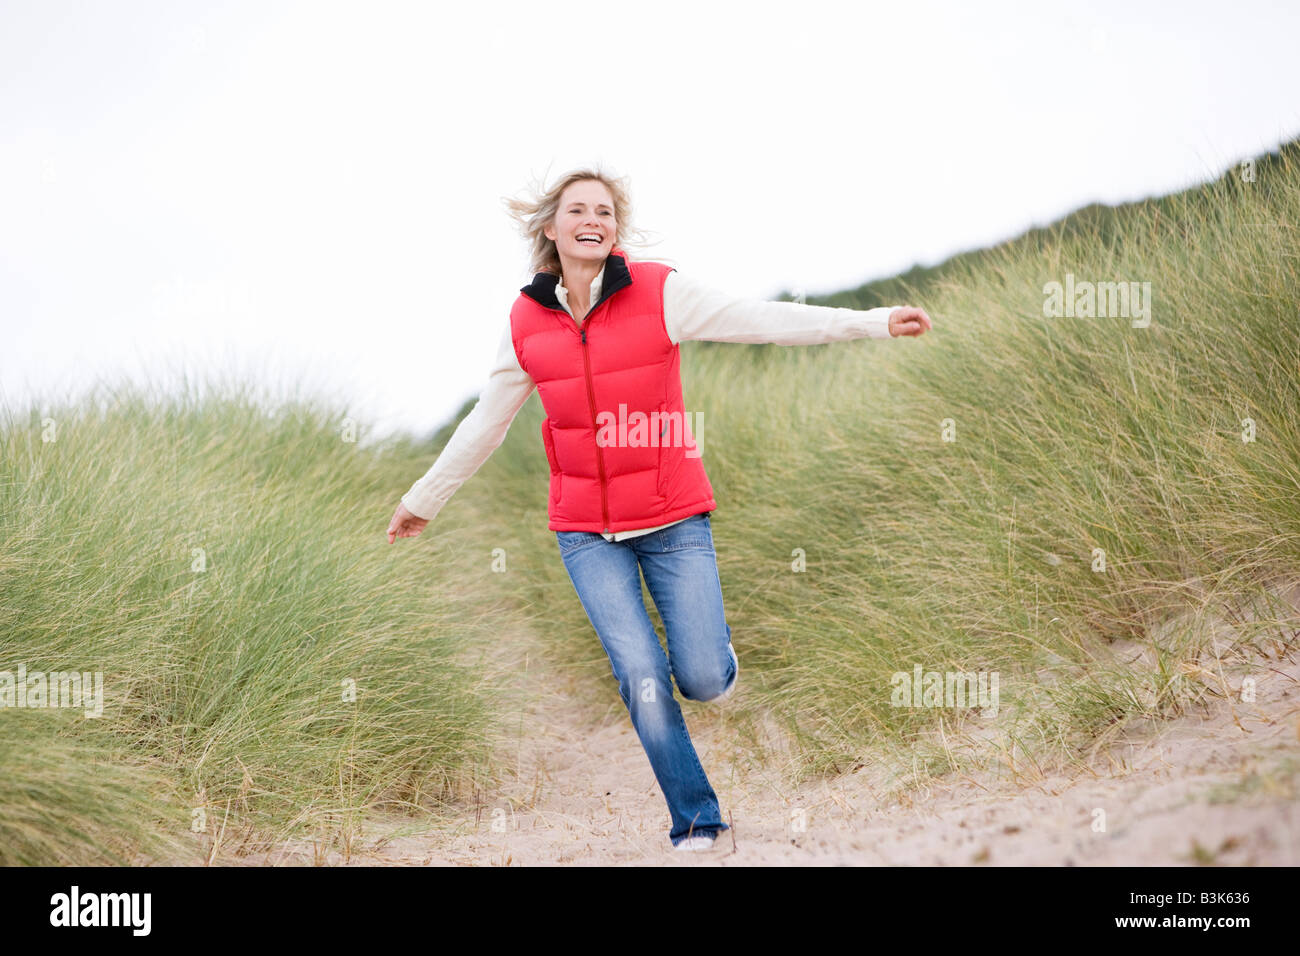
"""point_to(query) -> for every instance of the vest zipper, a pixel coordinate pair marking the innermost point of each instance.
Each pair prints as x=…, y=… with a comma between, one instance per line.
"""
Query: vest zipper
x=591, y=401
x=581, y=329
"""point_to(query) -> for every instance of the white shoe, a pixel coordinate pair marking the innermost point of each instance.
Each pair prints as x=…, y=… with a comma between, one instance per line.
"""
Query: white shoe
x=700, y=841
x=727, y=693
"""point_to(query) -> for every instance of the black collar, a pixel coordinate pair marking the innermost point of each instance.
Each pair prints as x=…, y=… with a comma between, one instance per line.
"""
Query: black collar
x=617, y=275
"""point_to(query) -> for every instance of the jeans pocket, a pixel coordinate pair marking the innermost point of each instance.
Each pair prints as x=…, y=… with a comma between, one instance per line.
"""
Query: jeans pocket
x=571, y=541
x=693, y=533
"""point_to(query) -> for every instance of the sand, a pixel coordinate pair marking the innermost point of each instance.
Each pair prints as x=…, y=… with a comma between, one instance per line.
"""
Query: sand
x=1218, y=787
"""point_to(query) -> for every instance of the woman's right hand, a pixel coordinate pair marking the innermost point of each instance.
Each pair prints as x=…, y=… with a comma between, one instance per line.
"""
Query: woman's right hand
x=405, y=524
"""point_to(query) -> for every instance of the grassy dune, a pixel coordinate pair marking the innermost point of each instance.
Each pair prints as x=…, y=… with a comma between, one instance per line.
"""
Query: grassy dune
x=225, y=567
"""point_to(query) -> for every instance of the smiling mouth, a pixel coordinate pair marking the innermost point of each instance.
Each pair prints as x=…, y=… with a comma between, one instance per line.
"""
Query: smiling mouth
x=590, y=240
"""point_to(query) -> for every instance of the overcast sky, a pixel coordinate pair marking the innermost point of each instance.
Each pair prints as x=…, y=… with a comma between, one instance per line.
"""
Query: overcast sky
x=312, y=191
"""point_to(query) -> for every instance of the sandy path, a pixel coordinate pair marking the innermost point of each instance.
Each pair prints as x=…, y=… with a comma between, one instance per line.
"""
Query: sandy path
x=1219, y=788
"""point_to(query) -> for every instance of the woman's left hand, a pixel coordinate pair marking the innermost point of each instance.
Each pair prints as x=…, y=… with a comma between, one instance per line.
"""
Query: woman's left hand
x=908, y=321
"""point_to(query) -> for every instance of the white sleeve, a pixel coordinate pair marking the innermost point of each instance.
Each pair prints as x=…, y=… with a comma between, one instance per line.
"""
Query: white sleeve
x=478, y=434
x=695, y=311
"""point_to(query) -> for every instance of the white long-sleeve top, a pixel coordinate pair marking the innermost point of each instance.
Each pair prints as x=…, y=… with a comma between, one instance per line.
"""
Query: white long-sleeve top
x=693, y=311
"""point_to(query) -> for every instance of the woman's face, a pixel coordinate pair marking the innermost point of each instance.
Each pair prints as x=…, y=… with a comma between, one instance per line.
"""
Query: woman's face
x=584, y=226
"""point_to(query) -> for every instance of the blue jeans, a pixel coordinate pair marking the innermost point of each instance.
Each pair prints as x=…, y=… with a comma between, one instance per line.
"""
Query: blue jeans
x=681, y=573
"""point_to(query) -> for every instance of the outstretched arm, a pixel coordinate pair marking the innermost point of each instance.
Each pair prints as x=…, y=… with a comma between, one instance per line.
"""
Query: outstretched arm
x=696, y=311
x=476, y=437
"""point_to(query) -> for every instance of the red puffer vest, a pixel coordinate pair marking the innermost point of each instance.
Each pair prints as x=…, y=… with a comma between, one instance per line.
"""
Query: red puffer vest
x=612, y=468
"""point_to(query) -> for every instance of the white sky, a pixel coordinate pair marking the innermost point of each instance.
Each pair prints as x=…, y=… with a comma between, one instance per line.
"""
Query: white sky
x=313, y=190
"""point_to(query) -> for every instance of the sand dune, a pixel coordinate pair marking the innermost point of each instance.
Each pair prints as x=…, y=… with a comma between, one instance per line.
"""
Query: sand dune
x=1220, y=787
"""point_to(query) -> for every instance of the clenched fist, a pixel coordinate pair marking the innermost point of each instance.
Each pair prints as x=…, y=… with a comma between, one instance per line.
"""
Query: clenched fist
x=908, y=321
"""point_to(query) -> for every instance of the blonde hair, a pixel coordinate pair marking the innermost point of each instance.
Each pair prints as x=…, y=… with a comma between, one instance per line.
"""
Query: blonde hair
x=537, y=211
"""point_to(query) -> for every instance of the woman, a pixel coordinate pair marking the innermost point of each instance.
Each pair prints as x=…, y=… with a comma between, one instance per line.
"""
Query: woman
x=597, y=334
